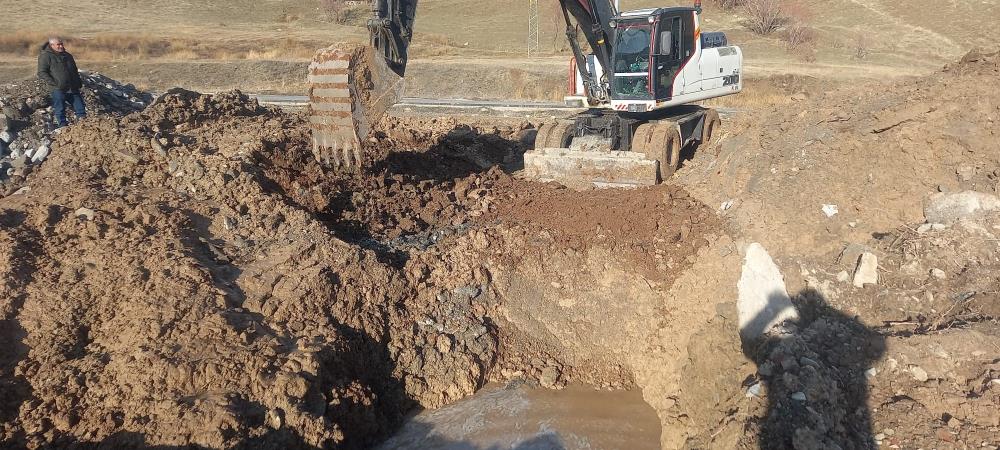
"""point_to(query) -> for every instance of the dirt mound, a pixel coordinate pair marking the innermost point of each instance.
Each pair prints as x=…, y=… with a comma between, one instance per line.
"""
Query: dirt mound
x=26, y=121
x=848, y=173
x=188, y=274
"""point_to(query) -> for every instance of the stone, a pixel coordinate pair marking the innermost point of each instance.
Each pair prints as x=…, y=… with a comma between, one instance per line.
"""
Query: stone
x=4, y=123
x=41, y=154
x=85, y=213
x=6, y=137
x=843, y=276
x=923, y=228
x=919, y=374
x=443, y=343
x=954, y=423
x=939, y=274
x=830, y=210
x=763, y=302
x=276, y=418
x=549, y=378
x=867, y=271
x=946, y=208
x=755, y=390
x=799, y=396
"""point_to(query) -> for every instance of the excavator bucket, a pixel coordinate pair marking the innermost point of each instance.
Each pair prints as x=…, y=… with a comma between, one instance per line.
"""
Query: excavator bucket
x=350, y=88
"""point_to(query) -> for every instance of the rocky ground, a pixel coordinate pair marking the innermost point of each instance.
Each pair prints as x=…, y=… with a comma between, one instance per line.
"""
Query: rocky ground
x=27, y=123
x=186, y=275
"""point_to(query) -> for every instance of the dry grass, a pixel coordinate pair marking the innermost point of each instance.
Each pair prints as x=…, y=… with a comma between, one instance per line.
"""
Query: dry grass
x=135, y=47
x=757, y=94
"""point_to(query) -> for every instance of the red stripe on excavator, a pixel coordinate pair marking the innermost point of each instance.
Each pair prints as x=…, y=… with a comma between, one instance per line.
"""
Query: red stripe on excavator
x=586, y=5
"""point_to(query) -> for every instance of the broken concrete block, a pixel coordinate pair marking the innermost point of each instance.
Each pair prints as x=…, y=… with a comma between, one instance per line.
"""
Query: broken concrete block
x=763, y=301
x=867, y=271
x=949, y=207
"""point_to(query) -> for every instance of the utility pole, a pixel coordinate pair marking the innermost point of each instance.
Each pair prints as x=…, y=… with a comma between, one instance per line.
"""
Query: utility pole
x=533, y=28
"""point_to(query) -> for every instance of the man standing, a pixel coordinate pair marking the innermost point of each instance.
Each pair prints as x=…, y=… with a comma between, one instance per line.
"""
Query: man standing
x=57, y=68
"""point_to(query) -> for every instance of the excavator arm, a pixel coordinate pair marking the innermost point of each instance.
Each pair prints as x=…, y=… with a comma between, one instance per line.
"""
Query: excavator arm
x=391, y=29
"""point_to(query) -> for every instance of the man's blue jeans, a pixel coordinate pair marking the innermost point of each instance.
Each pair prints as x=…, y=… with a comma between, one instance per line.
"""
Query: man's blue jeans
x=59, y=100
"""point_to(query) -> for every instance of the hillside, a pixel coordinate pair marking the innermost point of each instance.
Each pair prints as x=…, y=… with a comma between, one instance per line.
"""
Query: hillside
x=850, y=38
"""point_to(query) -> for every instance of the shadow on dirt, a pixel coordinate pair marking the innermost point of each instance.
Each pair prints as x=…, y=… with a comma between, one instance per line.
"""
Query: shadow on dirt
x=461, y=152
x=22, y=265
x=814, y=375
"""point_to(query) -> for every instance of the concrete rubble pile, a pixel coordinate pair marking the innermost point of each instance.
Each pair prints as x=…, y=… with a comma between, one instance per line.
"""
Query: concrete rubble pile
x=27, y=122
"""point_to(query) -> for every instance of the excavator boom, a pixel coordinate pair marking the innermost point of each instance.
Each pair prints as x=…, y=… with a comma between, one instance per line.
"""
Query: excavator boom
x=352, y=85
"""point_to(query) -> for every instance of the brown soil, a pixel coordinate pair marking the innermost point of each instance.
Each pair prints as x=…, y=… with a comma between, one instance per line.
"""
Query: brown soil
x=188, y=275
x=878, y=152
x=226, y=292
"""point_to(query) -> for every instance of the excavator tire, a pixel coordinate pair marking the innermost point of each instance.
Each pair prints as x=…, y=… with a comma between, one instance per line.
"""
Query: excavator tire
x=663, y=146
x=350, y=88
x=554, y=135
x=711, y=126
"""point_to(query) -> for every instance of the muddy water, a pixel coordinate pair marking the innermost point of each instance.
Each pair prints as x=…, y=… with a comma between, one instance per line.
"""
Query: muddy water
x=526, y=418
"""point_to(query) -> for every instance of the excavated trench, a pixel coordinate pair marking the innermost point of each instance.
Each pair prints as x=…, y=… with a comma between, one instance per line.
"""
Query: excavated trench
x=268, y=303
x=627, y=290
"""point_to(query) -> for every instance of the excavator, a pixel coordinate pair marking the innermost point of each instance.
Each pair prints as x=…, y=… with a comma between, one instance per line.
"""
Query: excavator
x=643, y=73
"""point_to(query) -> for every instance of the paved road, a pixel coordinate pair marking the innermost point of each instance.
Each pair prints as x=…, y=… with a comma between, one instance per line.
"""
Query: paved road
x=444, y=105
x=300, y=101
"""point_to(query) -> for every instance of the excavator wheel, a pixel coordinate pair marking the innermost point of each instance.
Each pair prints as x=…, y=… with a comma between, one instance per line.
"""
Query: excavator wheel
x=640, y=140
x=711, y=126
x=554, y=135
x=664, y=146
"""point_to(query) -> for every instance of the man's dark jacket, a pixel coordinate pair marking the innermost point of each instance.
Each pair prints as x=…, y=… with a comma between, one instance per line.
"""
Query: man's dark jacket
x=58, y=70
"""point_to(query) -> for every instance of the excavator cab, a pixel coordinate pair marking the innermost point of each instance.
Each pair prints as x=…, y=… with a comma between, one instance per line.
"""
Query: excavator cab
x=652, y=48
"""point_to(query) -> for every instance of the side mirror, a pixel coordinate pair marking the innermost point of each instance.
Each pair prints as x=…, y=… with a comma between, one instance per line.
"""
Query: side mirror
x=665, y=43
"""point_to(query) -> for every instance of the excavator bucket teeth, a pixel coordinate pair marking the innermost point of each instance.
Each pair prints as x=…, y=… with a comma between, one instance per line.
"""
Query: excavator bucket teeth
x=350, y=88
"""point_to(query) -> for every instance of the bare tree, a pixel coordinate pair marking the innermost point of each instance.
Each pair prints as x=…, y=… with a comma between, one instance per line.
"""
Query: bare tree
x=797, y=31
x=764, y=16
x=861, y=46
x=728, y=4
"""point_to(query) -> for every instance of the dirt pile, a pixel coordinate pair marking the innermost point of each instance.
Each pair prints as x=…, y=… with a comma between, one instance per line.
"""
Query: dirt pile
x=860, y=171
x=26, y=121
x=188, y=274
